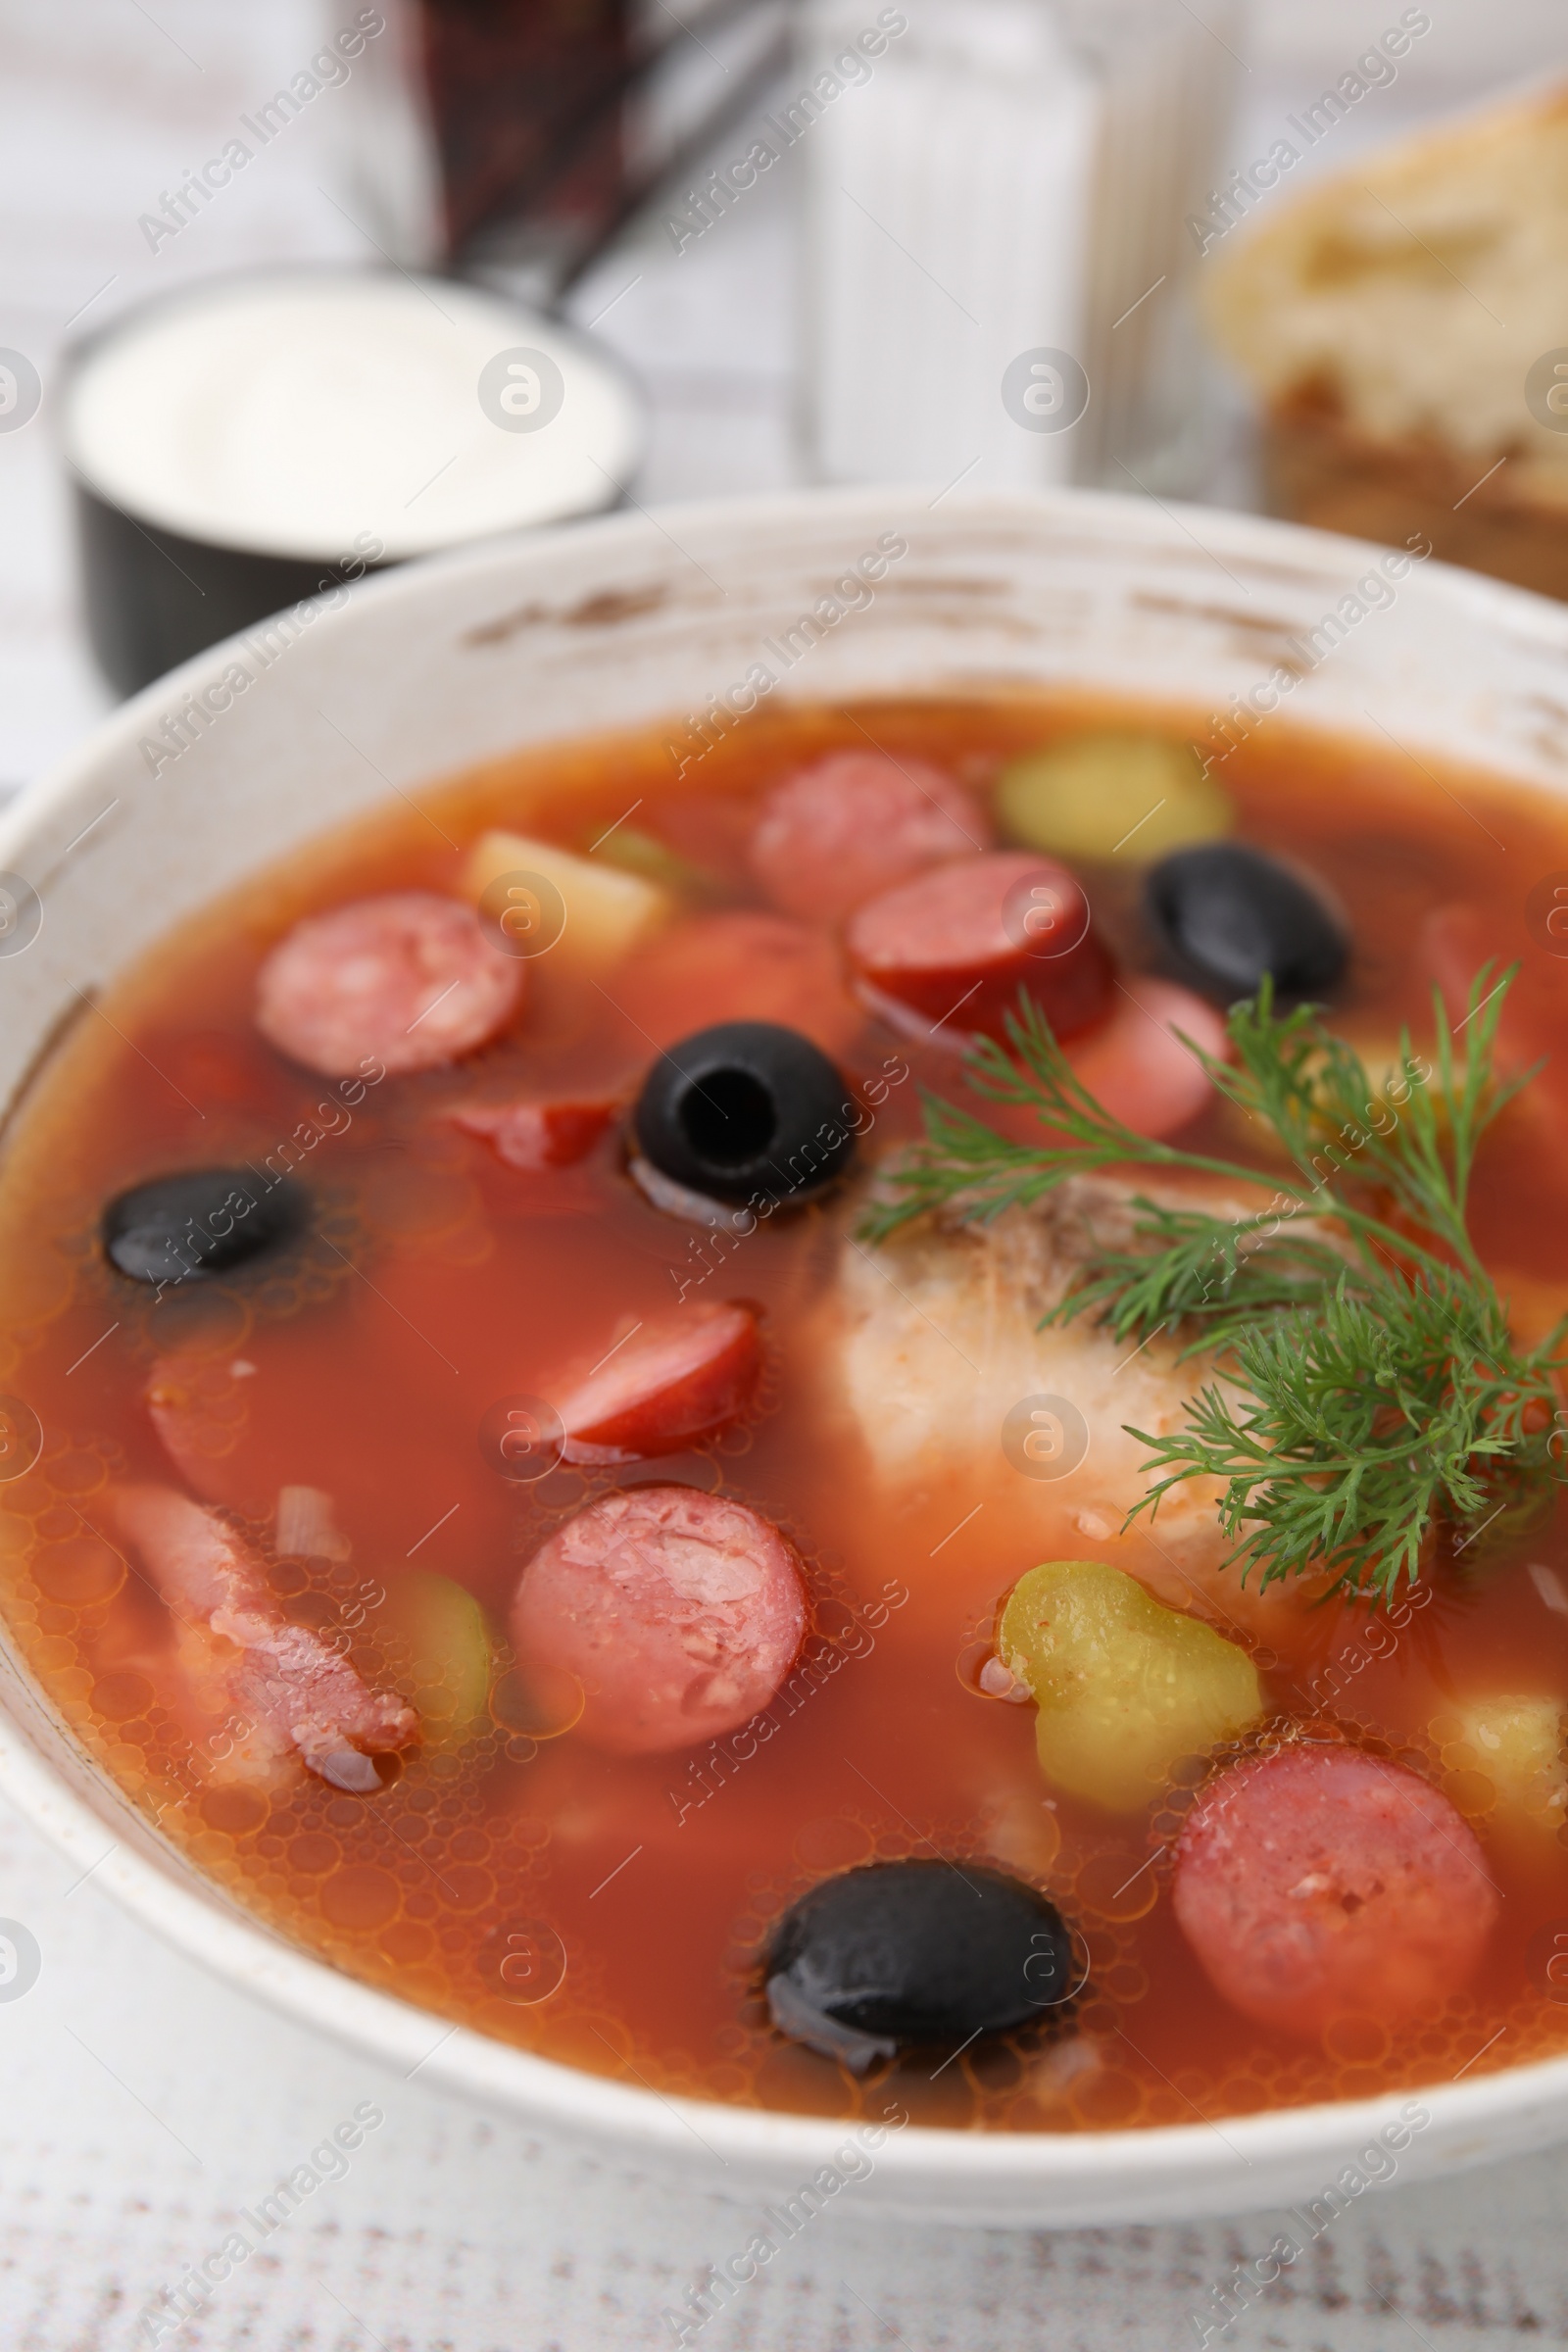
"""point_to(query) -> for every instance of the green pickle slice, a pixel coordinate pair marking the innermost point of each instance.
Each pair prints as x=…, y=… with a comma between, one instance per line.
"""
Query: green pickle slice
x=1123, y=1686
x=1100, y=796
x=438, y=1647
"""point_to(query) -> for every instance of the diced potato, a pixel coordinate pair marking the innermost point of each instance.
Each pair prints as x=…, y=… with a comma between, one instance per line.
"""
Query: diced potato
x=1518, y=1745
x=1123, y=1686
x=439, y=1651
x=1102, y=796
x=607, y=911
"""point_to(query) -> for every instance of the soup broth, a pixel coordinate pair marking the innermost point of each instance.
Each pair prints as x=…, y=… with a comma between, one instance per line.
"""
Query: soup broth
x=346, y=1405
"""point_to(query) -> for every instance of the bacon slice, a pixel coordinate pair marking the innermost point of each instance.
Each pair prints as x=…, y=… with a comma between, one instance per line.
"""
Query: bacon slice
x=411, y=980
x=281, y=1689
x=678, y=1378
x=678, y=1612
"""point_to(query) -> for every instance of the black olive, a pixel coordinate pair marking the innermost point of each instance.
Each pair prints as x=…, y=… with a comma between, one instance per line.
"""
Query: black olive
x=902, y=1953
x=200, y=1221
x=747, y=1106
x=1229, y=916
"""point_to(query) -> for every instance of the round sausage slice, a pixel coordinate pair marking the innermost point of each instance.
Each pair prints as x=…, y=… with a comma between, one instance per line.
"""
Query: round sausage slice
x=855, y=823
x=1319, y=1882
x=408, y=980
x=678, y=1612
x=1136, y=1065
x=680, y=1377
x=955, y=945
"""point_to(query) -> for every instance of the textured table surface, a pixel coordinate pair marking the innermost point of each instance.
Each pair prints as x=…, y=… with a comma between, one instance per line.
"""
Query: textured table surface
x=145, y=2106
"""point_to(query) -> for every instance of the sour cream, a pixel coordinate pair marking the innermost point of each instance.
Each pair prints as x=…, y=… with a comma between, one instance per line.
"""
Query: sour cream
x=256, y=440
x=287, y=413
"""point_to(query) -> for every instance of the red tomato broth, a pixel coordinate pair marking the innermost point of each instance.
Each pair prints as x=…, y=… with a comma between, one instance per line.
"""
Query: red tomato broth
x=446, y=1281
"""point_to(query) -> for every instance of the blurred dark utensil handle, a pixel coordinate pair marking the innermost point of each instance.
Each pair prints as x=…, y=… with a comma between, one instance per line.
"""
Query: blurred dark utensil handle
x=529, y=121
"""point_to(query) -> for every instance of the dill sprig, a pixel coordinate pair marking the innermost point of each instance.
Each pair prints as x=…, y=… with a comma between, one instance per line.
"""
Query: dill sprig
x=1368, y=1389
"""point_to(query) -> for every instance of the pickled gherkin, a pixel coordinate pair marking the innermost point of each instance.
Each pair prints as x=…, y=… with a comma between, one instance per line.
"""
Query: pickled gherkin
x=438, y=1647
x=1101, y=795
x=1123, y=1686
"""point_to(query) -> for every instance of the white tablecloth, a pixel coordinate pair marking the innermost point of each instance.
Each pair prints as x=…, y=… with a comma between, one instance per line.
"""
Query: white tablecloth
x=144, y=2105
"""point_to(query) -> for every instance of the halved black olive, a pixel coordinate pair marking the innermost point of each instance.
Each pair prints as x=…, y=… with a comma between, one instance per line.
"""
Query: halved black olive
x=902, y=1954
x=1229, y=916
x=200, y=1221
x=747, y=1106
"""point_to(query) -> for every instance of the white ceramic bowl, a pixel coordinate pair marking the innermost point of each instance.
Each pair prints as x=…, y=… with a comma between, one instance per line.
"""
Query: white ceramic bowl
x=433, y=666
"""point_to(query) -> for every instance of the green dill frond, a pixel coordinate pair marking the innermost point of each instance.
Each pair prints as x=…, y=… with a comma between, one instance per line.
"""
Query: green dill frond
x=1367, y=1388
x=1353, y=1428
x=1213, y=1277
x=964, y=1161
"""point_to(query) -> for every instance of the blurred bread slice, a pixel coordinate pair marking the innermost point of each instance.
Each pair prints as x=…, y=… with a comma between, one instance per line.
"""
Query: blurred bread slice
x=1389, y=316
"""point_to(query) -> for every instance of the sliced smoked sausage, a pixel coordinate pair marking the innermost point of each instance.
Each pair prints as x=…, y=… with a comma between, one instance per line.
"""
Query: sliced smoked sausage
x=679, y=1612
x=954, y=946
x=679, y=1377
x=1320, y=1882
x=855, y=823
x=410, y=980
x=1136, y=1065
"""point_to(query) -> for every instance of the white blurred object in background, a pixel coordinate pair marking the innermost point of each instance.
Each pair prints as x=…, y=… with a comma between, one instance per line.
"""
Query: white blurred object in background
x=947, y=230
x=993, y=211
x=386, y=151
x=1477, y=46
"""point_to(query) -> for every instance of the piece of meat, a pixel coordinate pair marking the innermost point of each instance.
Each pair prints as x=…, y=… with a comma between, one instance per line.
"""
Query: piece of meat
x=1319, y=1883
x=411, y=980
x=855, y=823
x=737, y=967
x=241, y=1661
x=955, y=946
x=679, y=1612
x=536, y=1136
x=671, y=1381
x=929, y=1340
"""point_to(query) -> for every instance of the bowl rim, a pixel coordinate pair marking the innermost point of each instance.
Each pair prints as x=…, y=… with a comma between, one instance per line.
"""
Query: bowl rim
x=1209, y=2160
